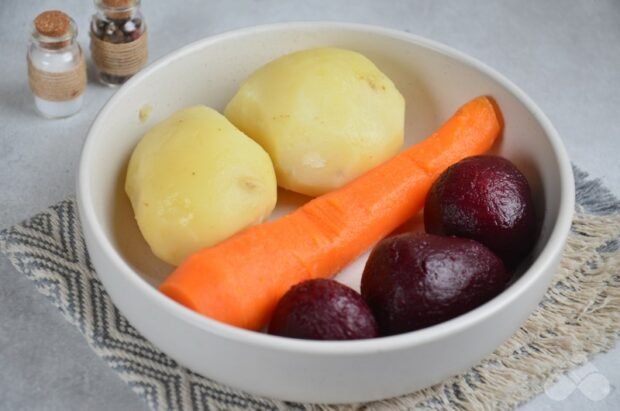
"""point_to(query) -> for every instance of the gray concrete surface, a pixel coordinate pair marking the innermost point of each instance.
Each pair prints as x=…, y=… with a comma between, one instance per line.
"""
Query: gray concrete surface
x=565, y=54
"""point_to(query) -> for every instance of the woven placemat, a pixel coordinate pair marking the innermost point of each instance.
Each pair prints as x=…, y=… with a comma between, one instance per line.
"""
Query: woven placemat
x=578, y=317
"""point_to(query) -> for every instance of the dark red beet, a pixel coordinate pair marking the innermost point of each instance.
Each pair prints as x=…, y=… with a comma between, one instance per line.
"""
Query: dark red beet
x=323, y=309
x=487, y=199
x=415, y=280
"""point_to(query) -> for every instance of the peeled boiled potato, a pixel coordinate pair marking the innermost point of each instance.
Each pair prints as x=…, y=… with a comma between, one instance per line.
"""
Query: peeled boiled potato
x=324, y=115
x=194, y=180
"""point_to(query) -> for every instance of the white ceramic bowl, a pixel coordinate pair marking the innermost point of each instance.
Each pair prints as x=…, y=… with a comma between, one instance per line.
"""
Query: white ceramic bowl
x=435, y=81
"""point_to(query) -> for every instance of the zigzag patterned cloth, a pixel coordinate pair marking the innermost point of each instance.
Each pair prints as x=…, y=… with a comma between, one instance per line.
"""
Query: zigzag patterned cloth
x=579, y=316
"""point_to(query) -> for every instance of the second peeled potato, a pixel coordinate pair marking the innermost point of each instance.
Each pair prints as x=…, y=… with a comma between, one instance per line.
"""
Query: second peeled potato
x=194, y=180
x=325, y=116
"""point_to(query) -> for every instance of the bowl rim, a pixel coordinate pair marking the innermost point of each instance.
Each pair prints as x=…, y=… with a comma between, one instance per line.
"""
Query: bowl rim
x=553, y=247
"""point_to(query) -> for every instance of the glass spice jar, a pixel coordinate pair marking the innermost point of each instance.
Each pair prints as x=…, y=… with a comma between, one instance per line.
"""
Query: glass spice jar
x=118, y=40
x=56, y=66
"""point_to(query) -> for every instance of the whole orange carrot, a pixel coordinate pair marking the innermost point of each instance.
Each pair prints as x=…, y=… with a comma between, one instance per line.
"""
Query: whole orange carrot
x=240, y=280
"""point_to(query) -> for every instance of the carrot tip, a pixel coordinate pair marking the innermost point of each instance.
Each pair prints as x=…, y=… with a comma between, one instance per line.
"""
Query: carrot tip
x=497, y=111
x=178, y=295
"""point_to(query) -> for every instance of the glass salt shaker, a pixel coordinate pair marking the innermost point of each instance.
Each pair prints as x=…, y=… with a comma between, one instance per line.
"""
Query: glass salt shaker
x=56, y=67
x=118, y=40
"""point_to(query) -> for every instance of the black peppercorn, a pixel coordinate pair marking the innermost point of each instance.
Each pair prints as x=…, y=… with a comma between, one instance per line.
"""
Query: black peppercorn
x=118, y=40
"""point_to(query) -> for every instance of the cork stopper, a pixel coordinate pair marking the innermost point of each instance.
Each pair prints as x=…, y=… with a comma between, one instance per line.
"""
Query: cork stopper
x=52, y=23
x=118, y=9
x=118, y=4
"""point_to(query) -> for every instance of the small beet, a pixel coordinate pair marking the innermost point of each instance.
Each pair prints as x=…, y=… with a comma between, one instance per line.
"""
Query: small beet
x=322, y=309
x=485, y=198
x=415, y=280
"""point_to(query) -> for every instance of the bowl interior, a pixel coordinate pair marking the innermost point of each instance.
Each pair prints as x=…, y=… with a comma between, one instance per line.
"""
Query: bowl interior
x=433, y=81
